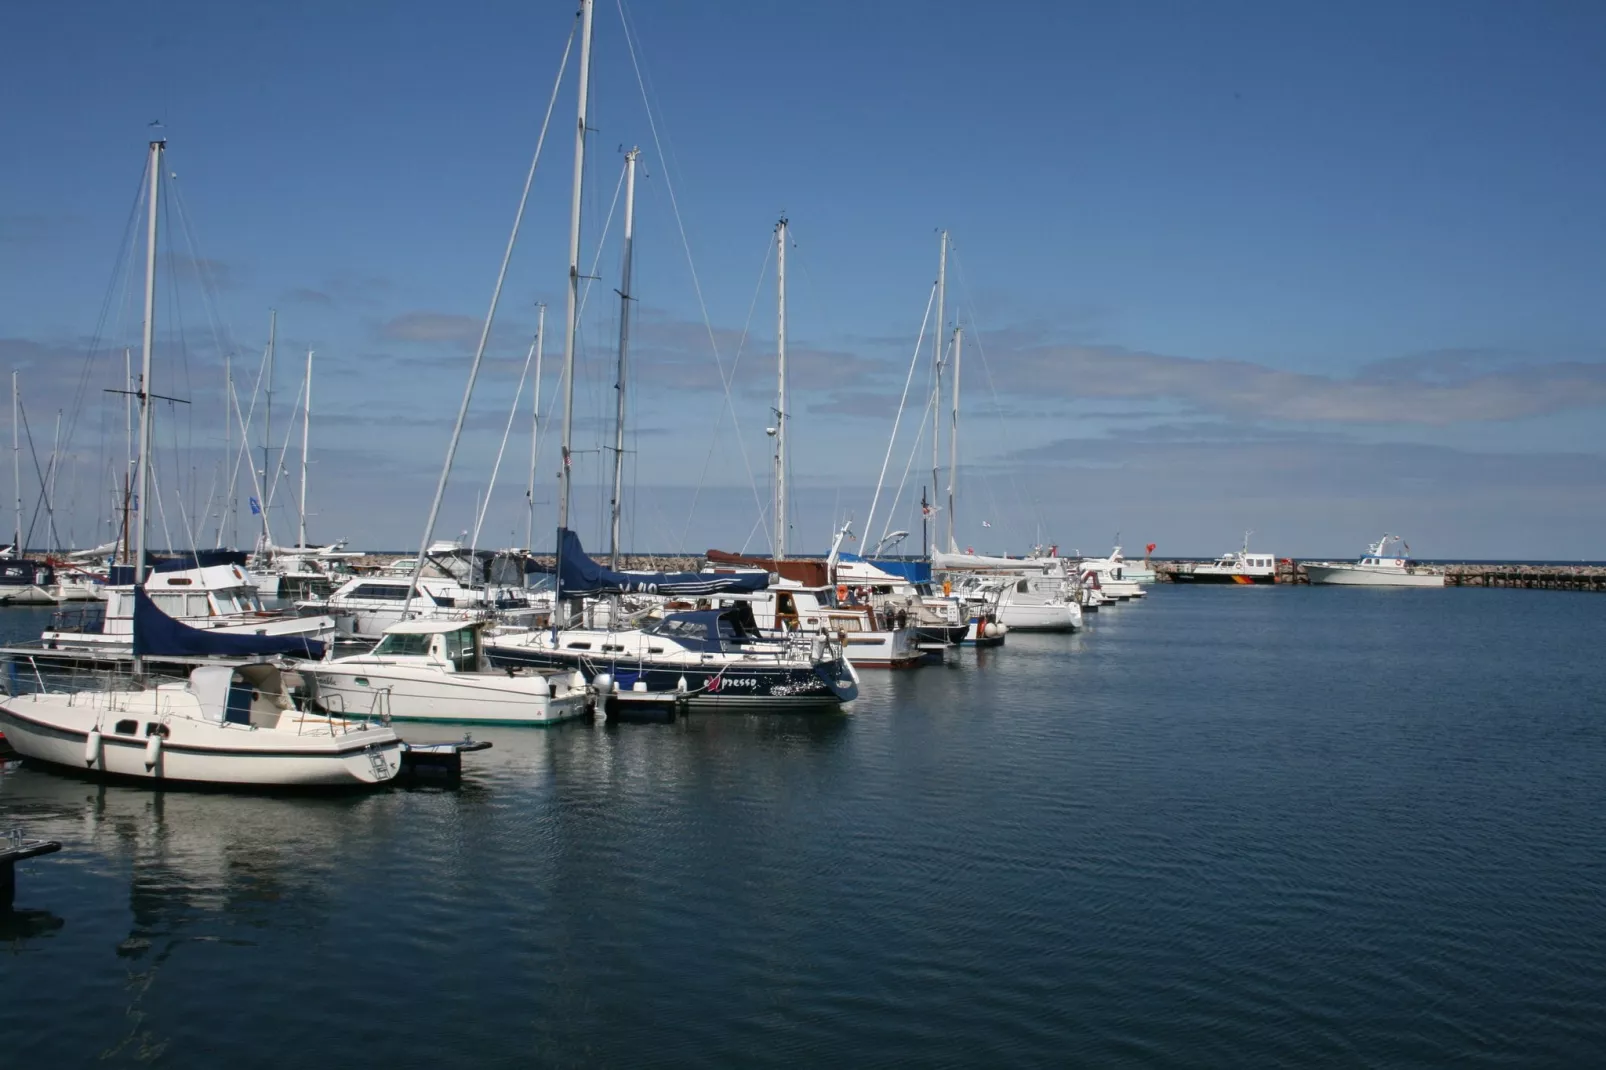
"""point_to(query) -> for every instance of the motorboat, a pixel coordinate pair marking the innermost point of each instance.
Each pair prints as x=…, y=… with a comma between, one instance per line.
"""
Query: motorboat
x=1378, y=567
x=428, y=670
x=1239, y=567
x=364, y=607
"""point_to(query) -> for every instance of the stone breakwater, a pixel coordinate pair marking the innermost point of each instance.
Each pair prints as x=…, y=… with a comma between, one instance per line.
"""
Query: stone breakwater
x=1534, y=577
x=632, y=562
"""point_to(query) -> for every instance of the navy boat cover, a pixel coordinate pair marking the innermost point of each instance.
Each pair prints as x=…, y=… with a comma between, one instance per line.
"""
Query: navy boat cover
x=157, y=635
x=581, y=577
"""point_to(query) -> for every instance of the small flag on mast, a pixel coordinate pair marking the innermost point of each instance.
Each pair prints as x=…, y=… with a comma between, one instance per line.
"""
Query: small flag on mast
x=986, y=523
x=256, y=507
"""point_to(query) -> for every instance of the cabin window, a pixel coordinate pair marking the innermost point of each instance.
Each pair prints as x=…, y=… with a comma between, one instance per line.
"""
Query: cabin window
x=196, y=605
x=460, y=649
x=127, y=728
x=171, y=604
x=1022, y=587
x=613, y=647
x=579, y=646
x=180, y=581
x=404, y=644
x=383, y=591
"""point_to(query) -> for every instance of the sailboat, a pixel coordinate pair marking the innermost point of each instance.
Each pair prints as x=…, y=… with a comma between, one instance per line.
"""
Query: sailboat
x=226, y=724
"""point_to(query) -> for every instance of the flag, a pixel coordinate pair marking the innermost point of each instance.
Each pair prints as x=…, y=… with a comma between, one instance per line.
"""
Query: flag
x=1407, y=549
x=926, y=510
x=986, y=523
x=256, y=507
x=1149, y=548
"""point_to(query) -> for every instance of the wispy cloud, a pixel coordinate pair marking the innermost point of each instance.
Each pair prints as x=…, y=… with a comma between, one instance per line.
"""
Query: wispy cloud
x=430, y=327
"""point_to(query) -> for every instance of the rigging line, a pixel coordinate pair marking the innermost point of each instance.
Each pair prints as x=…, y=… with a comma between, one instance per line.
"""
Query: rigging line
x=685, y=243
x=122, y=268
x=44, y=491
x=512, y=411
x=920, y=342
x=741, y=345
x=279, y=470
x=485, y=330
x=161, y=510
x=920, y=437
x=998, y=408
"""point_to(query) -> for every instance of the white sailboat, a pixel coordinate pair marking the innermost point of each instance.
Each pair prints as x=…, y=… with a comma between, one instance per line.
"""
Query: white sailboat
x=225, y=724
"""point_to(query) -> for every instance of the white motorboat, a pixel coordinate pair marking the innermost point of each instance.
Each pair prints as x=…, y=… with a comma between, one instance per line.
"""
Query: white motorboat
x=1376, y=568
x=365, y=606
x=226, y=724
x=1240, y=567
x=437, y=671
x=1037, y=603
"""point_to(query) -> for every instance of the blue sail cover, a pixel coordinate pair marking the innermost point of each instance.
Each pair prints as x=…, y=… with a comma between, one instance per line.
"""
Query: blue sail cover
x=910, y=570
x=581, y=577
x=158, y=635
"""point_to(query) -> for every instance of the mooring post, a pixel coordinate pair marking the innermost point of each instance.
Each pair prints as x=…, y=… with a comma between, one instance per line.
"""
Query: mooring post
x=13, y=849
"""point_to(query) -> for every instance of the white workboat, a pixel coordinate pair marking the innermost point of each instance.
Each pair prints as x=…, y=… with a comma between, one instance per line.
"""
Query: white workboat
x=1376, y=568
x=426, y=670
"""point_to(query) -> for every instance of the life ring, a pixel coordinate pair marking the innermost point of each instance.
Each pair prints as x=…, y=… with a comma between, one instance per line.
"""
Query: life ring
x=1399, y=560
x=841, y=593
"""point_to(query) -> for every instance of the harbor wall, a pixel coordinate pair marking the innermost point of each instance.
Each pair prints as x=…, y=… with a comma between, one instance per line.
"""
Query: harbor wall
x=1510, y=574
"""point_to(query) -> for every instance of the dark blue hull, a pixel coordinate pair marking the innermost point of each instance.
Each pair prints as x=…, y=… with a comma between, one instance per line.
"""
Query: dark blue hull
x=759, y=687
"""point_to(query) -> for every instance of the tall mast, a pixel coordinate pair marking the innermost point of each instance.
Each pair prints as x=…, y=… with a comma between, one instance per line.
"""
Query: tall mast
x=142, y=495
x=16, y=461
x=306, y=423
x=780, y=394
x=936, y=365
x=535, y=424
x=573, y=298
x=267, y=429
x=953, y=442
x=624, y=351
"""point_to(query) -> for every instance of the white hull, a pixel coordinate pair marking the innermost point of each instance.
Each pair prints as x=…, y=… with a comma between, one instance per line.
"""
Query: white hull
x=418, y=693
x=896, y=649
x=1362, y=576
x=1057, y=617
x=56, y=728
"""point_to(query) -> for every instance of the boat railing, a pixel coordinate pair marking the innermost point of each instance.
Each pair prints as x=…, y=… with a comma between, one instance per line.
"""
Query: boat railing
x=26, y=676
x=83, y=619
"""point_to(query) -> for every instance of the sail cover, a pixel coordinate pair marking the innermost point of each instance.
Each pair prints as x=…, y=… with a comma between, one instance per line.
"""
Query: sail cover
x=981, y=562
x=158, y=635
x=581, y=577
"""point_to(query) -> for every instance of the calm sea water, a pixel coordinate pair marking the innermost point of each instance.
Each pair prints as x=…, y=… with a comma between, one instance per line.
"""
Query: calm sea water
x=1224, y=827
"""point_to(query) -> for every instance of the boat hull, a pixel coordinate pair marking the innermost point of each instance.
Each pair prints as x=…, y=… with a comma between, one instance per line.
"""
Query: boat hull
x=775, y=687
x=1237, y=579
x=1356, y=576
x=456, y=698
x=54, y=730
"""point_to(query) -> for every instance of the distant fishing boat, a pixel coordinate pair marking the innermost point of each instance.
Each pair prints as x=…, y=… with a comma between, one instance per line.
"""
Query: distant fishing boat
x=1376, y=568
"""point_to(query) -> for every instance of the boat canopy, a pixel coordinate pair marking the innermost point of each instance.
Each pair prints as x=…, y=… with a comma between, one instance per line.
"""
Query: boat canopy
x=123, y=575
x=581, y=577
x=808, y=572
x=910, y=570
x=707, y=631
x=158, y=635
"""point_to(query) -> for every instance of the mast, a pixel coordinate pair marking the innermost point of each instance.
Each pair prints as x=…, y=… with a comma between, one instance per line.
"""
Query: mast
x=936, y=366
x=16, y=462
x=306, y=422
x=953, y=441
x=573, y=297
x=780, y=395
x=624, y=350
x=128, y=442
x=141, y=497
x=267, y=429
x=535, y=424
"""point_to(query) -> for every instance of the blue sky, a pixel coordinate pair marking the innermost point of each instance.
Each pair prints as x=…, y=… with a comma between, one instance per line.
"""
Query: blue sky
x=1317, y=271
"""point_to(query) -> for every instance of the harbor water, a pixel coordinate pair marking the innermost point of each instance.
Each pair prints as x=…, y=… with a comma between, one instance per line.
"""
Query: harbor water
x=1223, y=826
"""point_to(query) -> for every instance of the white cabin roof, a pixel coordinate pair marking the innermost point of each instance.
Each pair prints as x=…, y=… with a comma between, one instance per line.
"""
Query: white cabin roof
x=430, y=627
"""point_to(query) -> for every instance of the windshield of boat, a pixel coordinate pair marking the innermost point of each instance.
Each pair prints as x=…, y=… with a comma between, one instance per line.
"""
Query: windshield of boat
x=410, y=644
x=679, y=629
